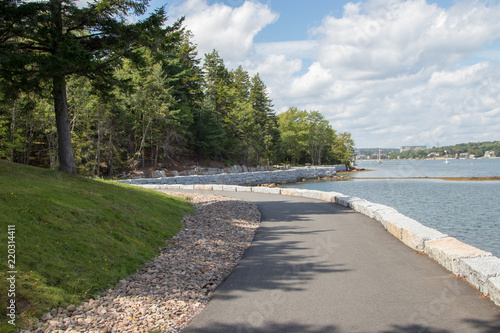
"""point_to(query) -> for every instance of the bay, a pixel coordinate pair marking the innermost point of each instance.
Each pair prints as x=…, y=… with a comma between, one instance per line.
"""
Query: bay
x=466, y=210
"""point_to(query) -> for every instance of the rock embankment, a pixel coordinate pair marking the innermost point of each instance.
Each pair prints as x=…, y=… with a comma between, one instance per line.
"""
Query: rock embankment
x=246, y=178
x=169, y=290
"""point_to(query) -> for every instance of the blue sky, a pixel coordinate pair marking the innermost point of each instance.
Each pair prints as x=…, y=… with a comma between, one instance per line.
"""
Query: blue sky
x=390, y=72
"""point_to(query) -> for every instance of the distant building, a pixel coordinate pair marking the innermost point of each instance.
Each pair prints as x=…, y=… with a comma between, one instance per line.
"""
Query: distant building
x=464, y=155
x=433, y=154
x=489, y=154
x=406, y=148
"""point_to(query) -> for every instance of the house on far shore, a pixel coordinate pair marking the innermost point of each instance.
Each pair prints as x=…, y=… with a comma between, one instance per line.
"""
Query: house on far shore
x=489, y=153
x=433, y=154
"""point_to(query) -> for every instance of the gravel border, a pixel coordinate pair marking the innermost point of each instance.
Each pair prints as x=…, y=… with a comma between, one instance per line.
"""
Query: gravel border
x=175, y=286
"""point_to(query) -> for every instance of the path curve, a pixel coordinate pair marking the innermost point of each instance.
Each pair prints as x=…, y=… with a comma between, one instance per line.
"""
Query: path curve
x=320, y=267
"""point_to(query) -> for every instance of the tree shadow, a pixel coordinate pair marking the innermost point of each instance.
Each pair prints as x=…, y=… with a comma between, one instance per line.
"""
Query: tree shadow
x=278, y=257
x=298, y=211
x=485, y=326
x=268, y=328
x=415, y=329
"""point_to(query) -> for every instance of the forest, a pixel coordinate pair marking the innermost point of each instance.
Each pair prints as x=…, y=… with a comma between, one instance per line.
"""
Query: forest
x=151, y=102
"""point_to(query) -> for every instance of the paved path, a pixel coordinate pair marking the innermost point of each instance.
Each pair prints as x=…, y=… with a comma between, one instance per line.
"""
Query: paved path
x=321, y=267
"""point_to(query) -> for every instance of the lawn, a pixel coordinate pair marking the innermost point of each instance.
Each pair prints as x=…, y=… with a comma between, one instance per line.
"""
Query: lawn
x=73, y=237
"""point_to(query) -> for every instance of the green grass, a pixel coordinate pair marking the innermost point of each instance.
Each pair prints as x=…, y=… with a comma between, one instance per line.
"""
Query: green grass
x=74, y=236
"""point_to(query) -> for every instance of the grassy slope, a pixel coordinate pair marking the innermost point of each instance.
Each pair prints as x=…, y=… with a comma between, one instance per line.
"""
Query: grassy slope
x=76, y=236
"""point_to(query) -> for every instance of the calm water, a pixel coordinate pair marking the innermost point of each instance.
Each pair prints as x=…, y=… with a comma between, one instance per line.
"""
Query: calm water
x=466, y=210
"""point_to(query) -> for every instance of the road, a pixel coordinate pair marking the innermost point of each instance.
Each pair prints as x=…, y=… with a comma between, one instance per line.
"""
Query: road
x=320, y=267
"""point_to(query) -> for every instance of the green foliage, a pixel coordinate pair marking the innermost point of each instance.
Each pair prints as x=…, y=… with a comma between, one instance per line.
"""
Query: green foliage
x=307, y=137
x=44, y=42
x=478, y=149
x=133, y=95
x=75, y=236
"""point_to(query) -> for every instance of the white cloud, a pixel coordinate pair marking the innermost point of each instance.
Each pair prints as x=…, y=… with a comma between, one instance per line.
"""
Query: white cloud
x=462, y=77
x=292, y=49
x=229, y=30
x=403, y=37
x=313, y=83
x=391, y=72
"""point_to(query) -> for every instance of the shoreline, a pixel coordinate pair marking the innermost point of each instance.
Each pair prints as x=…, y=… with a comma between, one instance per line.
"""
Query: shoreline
x=442, y=178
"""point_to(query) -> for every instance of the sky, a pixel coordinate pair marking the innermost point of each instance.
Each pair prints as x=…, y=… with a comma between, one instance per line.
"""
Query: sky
x=390, y=72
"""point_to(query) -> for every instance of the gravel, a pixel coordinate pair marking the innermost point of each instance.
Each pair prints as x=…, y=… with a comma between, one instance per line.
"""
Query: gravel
x=171, y=289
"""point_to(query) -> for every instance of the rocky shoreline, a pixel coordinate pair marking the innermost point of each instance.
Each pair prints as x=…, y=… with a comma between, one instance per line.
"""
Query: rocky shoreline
x=170, y=290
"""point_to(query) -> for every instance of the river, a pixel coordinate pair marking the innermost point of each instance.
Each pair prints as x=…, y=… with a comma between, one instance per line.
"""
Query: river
x=466, y=210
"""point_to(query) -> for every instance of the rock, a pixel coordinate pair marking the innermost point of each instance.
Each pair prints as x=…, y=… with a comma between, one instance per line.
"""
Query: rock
x=46, y=317
x=174, y=286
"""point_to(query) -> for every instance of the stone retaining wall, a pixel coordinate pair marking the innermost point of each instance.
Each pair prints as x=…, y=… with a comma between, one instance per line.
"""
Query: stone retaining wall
x=246, y=178
x=478, y=267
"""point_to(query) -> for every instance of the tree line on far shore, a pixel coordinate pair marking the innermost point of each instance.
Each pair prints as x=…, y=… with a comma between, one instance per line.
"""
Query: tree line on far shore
x=146, y=104
x=477, y=149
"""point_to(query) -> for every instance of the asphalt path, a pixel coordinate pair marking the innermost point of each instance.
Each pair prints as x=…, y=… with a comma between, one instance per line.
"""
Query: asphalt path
x=320, y=267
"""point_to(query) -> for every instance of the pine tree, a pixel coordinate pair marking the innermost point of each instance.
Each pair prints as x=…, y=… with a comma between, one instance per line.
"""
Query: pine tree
x=265, y=124
x=45, y=41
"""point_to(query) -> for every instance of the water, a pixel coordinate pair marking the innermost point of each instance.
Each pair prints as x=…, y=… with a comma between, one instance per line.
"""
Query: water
x=466, y=210
x=432, y=168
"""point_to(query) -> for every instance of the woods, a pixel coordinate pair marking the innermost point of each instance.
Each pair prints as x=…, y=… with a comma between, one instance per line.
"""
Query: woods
x=84, y=90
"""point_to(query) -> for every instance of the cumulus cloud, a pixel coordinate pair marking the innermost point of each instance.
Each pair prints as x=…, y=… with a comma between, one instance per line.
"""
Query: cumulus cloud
x=391, y=72
x=403, y=37
x=227, y=29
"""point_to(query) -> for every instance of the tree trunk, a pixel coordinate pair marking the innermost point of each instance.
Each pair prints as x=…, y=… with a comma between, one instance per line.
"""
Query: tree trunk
x=156, y=156
x=110, y=164
x=98, y=142
x=65, y=151
x=13, y=131
x=30, y=144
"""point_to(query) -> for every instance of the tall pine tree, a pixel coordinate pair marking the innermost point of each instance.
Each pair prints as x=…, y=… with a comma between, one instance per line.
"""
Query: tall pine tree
x=45, y=41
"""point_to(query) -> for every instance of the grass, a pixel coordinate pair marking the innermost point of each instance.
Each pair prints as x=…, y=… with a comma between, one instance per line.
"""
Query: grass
x=74, y=236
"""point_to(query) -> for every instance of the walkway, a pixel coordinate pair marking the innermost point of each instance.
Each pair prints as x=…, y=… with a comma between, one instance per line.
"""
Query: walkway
x=321, y=267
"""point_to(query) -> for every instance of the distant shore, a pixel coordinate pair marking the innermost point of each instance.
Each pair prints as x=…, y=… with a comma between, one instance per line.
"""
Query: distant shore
x=428, y=159
x=443, y=178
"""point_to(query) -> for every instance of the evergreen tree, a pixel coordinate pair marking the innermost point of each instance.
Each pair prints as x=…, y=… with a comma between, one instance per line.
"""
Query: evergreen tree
x=45, y=41
x=265, y=127
x=218, y=85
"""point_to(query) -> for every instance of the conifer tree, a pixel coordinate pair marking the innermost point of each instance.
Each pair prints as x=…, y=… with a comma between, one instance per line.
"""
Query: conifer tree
x=46, y=41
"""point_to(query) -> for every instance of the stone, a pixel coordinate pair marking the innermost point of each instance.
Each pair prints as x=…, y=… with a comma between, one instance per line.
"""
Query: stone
x=71, y=308
x=478, y=270
x=46, y=317
x=267, y=190
x=449, y=251
x=328, y=197
x=243, y=189
x=158, y=174
x=411, y=232
x=494, y=289
x=312, y=194
x=344, y=200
